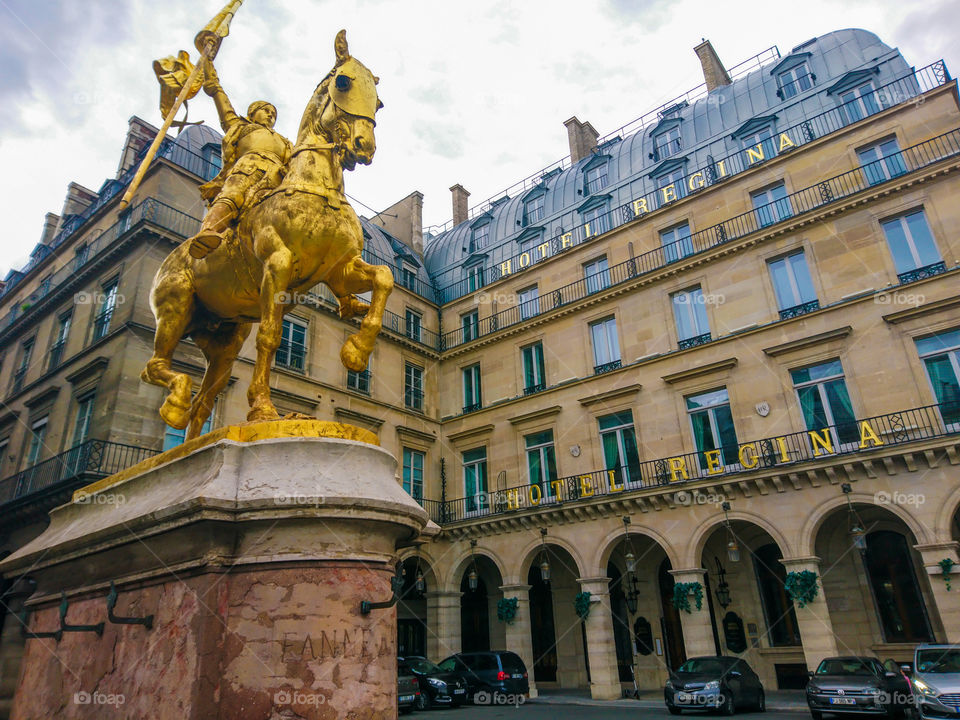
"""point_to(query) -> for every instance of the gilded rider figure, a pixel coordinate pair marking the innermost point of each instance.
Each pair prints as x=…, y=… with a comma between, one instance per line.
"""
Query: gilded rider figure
x=254, y=161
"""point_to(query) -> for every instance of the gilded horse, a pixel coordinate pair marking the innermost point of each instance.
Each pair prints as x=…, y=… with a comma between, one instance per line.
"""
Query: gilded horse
x=302, y=233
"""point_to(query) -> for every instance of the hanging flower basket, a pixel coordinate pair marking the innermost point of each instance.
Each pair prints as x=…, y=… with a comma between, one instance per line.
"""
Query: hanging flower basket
x=802, y=587
x=507, y=609
x=581, y=604
x=946, y=567
x=682, y=593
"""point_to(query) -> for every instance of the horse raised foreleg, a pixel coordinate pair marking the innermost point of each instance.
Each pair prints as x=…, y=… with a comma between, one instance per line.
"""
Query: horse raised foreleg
x=277, y=269
x=173, y=305
x=221, y=348
x=359, y=276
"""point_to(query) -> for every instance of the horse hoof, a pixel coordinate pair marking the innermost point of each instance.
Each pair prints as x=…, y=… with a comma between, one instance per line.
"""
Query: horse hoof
x=174, y=414
x=352, y=357
x=262, y=414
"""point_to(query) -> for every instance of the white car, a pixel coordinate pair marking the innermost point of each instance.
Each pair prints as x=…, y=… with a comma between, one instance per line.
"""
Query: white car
x=936, y=681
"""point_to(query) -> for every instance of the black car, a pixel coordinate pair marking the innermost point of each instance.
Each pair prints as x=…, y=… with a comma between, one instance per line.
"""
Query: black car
x=437, y=686
x=490, y=674
x=408, y=690
x=857, y=685
x=716, y=682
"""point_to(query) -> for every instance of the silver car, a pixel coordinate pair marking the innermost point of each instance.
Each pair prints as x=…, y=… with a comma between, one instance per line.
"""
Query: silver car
x=936, y=681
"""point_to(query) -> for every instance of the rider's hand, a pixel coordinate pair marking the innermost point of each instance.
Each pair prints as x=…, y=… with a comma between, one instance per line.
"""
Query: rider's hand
x=211, y=83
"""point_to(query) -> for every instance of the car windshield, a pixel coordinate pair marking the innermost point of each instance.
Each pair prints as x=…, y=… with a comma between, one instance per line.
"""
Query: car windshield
x=844, y=666
x=511, y=663
x=421, y=666
x=711, y=666
x=938, y=660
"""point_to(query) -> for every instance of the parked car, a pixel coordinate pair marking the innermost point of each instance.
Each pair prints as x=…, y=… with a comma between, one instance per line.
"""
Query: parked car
x=408, y=689
x=496, y=671
x=717, y=682
x=857, y=684
x=437, y=686
x=936, y=681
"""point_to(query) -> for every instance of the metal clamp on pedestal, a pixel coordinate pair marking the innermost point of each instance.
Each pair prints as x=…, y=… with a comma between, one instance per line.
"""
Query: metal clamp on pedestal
x=146, y=621
x=64, y=627
x=27, y=635
x=396, y=583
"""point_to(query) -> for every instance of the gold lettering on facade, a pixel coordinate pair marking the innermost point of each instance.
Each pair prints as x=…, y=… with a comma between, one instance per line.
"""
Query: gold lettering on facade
x=613, y=481
x=524, y=257
x=678, y=464
x=543, y=247
x=755, y=154
x=556, y=485
x=867, y=435
x=505, y=267
x=639, y=207
x=713, y=462
x=513, y=499
x=535, y=500
x=696, y=181
x=782, y=444
x=721, y=169
x=566, y=240
x=669, y=193
x=586, y=487
x=786, y=142
x=823, y=441
x=748, y=459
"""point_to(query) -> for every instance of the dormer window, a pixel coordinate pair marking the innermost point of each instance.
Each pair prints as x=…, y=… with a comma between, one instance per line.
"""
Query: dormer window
x=795, y=80
x=596, y=178
x=479, y=237
x=533, y=210
x=758, y=146
x=667, y=143
x=859, y=102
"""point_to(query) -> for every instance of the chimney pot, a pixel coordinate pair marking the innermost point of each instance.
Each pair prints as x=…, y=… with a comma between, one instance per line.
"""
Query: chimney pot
x=715, y=75
x=460, y=196
x=582, y=137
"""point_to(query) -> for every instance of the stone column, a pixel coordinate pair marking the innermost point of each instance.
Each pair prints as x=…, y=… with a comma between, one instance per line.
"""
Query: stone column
x=519, y=633
x=697, y=625
x=948, y=602
x=816, y=628
x=601, y=649
x=443, y=624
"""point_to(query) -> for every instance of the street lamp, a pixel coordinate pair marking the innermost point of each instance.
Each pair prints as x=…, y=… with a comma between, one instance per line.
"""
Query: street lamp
x=472, y=578
x=632, y=594
x=857, y=533
x=733, y=549
x=420, y=585
x=544, y=563
x=723, y=587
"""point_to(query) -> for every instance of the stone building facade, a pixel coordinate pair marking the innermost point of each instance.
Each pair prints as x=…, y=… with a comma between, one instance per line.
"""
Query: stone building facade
x=684, y=370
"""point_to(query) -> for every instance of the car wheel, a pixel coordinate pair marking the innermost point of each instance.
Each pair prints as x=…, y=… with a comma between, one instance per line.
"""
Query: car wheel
x=673, y=710
x=816, y=715
x=423, y=701
x=728, y=707
x=761, y=704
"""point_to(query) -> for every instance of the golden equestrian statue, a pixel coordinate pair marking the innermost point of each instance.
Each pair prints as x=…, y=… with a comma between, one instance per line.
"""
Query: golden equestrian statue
x=278, y=224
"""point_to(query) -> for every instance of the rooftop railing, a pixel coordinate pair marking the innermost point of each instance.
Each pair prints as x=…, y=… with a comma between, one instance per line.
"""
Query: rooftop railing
x=87, y=461
x=769, y=454
x=802, y=201
x=649, y=118
x=150, y=211
x=903, y=90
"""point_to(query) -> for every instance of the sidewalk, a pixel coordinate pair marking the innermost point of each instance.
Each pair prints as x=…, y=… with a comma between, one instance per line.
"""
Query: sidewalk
x=780, y=700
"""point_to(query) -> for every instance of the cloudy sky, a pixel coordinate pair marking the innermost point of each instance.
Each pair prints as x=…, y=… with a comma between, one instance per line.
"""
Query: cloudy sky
x=474, y=93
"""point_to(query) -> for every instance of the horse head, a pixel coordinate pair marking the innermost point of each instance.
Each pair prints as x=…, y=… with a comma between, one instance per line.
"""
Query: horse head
x=342, y=109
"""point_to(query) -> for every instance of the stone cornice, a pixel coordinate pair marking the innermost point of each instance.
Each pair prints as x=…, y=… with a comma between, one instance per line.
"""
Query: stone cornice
x=809, y=341
x=699, y=371
x=45, y=396
x=464, y=434
x=950, y=303
x=615, y=394
x=348, y=415
x=535, y=415
x=414, y=434
x=97, y=365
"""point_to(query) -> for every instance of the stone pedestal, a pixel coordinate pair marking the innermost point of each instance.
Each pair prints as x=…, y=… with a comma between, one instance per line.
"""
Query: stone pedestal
x=816, y=628
x=601, y=650
x=519, y=632
x=252, y=558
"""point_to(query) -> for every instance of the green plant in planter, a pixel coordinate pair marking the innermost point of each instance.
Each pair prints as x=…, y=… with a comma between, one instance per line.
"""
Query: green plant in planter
x=507, y=609
x=681, y=595
x=946, y=567
x=581, y=604
x=802, y=587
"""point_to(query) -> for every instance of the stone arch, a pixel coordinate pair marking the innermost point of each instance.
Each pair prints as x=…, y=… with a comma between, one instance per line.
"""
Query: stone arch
x=452, y=581
x=943, y=530
x=532, y=550
x=428, y=566
x=805, y=542
x=607, y=545
x=698, y=542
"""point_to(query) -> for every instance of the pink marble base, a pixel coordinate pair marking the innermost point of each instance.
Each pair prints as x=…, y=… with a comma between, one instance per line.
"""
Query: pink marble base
x=261, y=644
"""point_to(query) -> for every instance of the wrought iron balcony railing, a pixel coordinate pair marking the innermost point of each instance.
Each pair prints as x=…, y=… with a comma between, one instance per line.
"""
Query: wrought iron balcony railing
x=56, y=355
x=923, y=272
x=87, y=461
x=533, y=389
x=694, y=341
x=903, y=90
x=472, y=407
x=802, y=201
x=607, y=367
x=798, y=310
x=861, y=436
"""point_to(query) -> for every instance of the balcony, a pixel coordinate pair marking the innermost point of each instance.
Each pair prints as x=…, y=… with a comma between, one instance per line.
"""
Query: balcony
x=798, y=310
x=769, y=454
x=921, y=273
x=17, y=384
x=472, y=407
x=607, y=367
x=694, y=341
x=291, y=356
x=69, y=470
x=56, y=355
x=807, y=200
x=413, y=399
x=101, y=324
x=534, y=389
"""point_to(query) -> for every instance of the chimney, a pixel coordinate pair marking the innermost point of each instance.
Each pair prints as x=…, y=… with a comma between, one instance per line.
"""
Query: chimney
x=139, y=134
x=78, y=199
x=404, y=220
x=460, y=196
x=714, y=73
x=50, y=223
x=582, y=137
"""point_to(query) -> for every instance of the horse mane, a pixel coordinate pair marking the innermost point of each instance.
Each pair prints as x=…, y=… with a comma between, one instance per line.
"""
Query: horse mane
x=309, y=122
